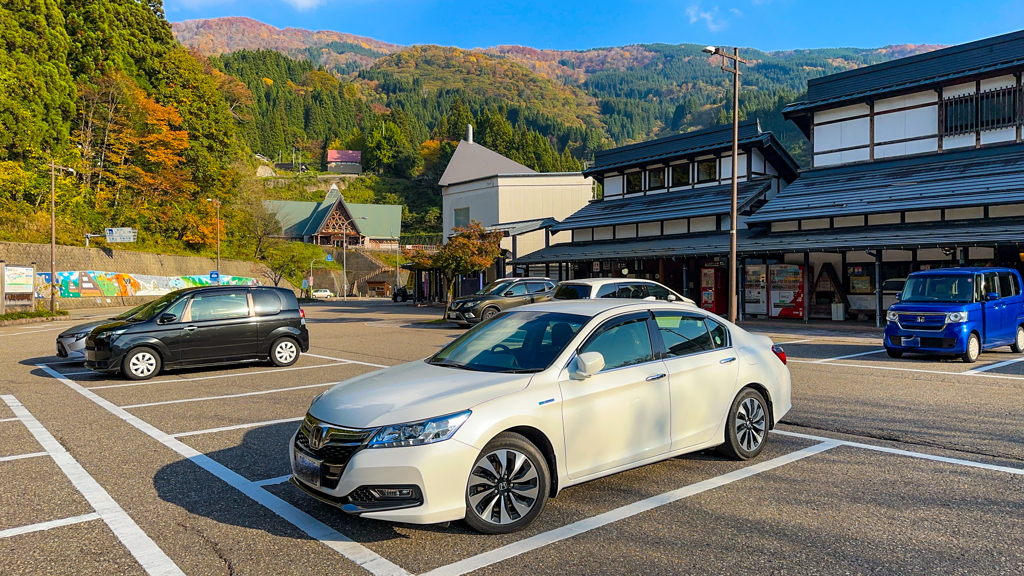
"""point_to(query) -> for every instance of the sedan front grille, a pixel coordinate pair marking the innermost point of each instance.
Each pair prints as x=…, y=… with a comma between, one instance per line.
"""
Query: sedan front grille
x=336, y=445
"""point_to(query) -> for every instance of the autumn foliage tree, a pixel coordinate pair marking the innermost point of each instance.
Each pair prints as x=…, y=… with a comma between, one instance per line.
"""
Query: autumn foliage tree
x=472, y=249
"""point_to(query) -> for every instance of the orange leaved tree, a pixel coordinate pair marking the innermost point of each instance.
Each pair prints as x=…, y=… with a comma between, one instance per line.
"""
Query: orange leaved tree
x=472, y=249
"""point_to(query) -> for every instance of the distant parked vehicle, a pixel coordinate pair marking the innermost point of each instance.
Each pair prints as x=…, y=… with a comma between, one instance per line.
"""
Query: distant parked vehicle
x=631, y=288
x=401, y=294
x=890, y=288
x=201, y=327
x=71, y=342
x=322, y=293
x=498, y=296
x=959, y=311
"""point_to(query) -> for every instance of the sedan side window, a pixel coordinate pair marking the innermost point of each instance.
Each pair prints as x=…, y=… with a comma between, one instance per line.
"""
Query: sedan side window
x=719, y=335
x=220, y=306
x=622, y=343
x=632, y=291
x=659, y=292
x=607, y=291
x=683, y=334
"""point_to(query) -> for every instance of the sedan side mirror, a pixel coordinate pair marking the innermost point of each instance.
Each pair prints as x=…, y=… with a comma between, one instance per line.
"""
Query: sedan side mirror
x=167, y=318
x=588, y=364
x=991, y=296
x=671, y=298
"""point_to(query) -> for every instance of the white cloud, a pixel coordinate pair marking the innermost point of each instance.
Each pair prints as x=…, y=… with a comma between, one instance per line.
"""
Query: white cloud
x=712, y=18
x=305, y=4
x=736, y=11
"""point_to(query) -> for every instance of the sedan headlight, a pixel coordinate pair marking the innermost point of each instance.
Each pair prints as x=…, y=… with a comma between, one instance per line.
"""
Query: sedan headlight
x=418, y=433
x=892, y=316
x=77, y=336
x=956, y=317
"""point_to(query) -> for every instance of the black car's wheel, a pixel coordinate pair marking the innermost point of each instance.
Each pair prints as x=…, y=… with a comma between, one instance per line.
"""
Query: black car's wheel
x=1018, y=342
x=284, y=352
x=747, y=426
x=141, y=364
x=970, y=355
x=894, y=353
x=508, y=485
x=487, y=314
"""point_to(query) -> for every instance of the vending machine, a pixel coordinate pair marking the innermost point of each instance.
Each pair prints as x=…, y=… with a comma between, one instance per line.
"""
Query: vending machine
x=786, y=291
x=714, y=294
x=755, y=289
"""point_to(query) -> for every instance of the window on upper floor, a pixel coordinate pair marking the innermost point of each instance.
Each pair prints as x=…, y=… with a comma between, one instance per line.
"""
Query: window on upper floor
x=461, y=218
x=707, y=171
x=656, y=179
x=634, y=182
x=989, y=110
x=681, y=175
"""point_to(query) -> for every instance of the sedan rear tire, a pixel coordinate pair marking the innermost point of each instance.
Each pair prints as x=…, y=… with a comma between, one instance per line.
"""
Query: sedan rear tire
x=508, y=485
x=284, y=352
x=141, y=363
x=747, y=427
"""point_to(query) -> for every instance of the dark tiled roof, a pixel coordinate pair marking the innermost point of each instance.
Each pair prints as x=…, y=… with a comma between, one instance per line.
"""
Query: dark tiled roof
x=678, y=145
x=523, y=226
x=921, y=70
x=708, y=244
x=668, y=206
x=945, y=180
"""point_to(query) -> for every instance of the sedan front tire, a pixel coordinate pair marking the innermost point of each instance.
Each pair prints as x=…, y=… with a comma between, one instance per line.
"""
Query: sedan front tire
x=508, y=485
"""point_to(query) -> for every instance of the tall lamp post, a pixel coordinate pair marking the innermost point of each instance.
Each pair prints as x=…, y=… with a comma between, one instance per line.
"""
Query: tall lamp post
x=53, y=232
x=735, y=71
x=398, y=273
x=344, y=257
x=217, y=204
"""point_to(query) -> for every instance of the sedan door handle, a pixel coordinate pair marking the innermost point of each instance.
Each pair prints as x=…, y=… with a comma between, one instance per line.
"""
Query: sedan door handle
x=190, y=328
x=727, y=360
x=655, y=377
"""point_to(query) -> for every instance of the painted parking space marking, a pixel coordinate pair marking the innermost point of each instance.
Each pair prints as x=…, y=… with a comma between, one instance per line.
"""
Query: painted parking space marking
x=146, y=552
x=235, y=427
x=826, y=360
x=48, y=525
x=32, y=331
x=357, y=553
x=7, y=419
x=346, y=361
x=917, y=370
x=273, y=481
x=23, y=456
x=204, y=398
x=993, y=366
x=237, y=374
x=576, y=528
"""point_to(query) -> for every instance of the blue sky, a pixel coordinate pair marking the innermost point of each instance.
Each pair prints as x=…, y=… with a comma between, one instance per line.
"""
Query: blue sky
x=763, y=24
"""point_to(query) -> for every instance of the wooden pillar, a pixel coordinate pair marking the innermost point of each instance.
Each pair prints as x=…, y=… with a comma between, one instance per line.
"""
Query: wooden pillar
x=878, y=288
x=807, y=287
x=661, y=271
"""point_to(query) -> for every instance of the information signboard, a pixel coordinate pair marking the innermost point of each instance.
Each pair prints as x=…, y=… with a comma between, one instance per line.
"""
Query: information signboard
x=19, y=280
x=121, y=234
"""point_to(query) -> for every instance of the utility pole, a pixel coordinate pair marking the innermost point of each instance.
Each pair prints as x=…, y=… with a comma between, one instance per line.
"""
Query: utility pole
x=735, y=71
x=53, y=231
x=398, y=273
x=217, y=204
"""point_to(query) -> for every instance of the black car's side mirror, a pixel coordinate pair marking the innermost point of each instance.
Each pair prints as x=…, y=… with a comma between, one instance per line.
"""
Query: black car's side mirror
x=991, y=296
x=167, y=318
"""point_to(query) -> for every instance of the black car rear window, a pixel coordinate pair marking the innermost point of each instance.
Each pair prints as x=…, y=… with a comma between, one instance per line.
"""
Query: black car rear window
x=572, y=292
x=290, y=303
x=266, y=302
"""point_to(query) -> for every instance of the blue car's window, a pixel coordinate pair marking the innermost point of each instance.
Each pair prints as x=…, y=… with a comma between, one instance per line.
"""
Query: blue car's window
x=957, y=288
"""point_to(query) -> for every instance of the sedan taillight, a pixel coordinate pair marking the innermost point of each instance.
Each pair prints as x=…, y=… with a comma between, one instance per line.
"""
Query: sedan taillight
x=779, y=352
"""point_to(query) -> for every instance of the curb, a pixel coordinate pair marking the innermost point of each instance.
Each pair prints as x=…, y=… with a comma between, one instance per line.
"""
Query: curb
x=35, y=320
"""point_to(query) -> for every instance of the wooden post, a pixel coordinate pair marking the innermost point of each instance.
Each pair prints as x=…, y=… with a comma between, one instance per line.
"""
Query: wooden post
x=807, y=287
x=878, y=288
x=3, y=291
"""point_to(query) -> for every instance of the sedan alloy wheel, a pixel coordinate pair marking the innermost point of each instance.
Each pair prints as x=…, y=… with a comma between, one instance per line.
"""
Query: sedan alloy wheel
x=507, y=485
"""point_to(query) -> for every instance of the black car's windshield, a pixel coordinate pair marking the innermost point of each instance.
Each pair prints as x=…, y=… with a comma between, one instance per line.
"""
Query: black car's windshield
x=493, y=287
x=935, y=288
x=512, y=342
x=128, y=314
x=572, y=292
x=154, y=308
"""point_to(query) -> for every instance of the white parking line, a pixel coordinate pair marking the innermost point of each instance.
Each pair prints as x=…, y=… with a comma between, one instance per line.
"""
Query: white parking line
x=7, y=419
x=48, y=525
x=364, y=557
x=922, y=455
x=992, y=366
x=824, y=360
x=176, y=380
x=235, y=427
x=23, y=456
x=272, y=481
x=505, y=552
x=141, y=546
x=34, y=331
x=346, y=361
x=228, y=396
x=918, y=370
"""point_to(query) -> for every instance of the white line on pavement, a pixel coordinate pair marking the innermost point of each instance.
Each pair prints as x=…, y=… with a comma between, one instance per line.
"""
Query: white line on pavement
x=344, y=360
x=918, y=370
x=141, y=546
x=176, y=380
x=797, y=341
x=922, y=455
x=34, y=331
x=48, y=525
x=992, y=366
x=272, y=481
x=80, y=373
x=505, y=552
x=235, y=427
x=229, y=395
x=364, y=557
x=824, y=360
x=7, y=419
x=22, y=456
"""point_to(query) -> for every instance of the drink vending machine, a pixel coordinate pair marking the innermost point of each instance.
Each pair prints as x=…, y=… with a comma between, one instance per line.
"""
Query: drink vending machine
x=786, y=291
x=714, y=294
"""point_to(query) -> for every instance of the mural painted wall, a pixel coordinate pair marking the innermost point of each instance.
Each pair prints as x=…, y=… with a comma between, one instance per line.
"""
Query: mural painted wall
x=92, y=283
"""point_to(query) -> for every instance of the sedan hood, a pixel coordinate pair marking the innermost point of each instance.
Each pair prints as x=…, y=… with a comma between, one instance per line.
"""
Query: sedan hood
x=410, y=392
x=87, y=327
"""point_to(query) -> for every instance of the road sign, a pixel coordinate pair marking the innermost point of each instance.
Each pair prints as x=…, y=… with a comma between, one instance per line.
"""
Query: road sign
x=305, y=283
x=215, y=276
x=330, y=258
x=121, y=235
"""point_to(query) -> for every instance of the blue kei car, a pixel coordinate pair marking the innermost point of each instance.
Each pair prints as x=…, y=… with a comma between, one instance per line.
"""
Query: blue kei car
x=959, y=311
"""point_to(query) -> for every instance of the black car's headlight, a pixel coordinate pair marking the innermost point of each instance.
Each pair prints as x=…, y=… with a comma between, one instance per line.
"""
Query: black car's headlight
x=110, y=334
x=419, y=433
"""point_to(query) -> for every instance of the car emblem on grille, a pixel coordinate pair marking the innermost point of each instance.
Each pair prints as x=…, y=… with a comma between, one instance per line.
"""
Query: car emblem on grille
x=317, y=437
x=920, y=318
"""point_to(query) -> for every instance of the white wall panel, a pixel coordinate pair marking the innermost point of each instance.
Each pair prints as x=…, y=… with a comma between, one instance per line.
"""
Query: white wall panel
x=625, y=231
x=787, y=226
x=583, y=235
x=758, y=161
x=923, y=216
x=961, y=141
x=1002, y=135
x=904, y=101
x=965, y=213
x=959, y=90
x=840, y=113
x=613, y=185
x=827, y=159
x=999, y=82
x=905, y=148
x=650, y=229
x=926, y=254
x=603, y=233
x=876, y=219
x=847, y=221
x=1005, y=210
x=907, y=124
x=981, y=253
x=897, y=256
x=705, y=224
x=677, y=226
x=814, y=224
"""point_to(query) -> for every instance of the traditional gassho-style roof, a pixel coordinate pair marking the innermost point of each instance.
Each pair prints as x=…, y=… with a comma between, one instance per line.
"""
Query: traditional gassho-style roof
x=302, y=219
x=472, y=161
x=344, y=156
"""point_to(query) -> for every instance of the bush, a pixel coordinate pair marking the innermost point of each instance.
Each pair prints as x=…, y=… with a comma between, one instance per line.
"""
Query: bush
x=32, y=314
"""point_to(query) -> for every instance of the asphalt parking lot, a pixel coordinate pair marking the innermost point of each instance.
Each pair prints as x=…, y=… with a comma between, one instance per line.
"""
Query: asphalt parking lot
x=883, y=467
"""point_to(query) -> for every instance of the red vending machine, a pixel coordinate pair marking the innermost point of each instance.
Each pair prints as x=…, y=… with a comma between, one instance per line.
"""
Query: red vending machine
x=786, y=290
x=714, y=294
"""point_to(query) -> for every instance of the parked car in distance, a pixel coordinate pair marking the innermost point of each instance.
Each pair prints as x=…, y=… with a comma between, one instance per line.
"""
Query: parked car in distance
x=959, y=311
x=634, y=288
x=540, y=398
x=890, y=288
x=71, y=342
x=322, y=293
x=401, y=294
x=201, y=327
x=502, y=294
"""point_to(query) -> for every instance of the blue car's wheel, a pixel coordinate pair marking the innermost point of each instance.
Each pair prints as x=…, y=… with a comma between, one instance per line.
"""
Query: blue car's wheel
x=973, y=349
x=1018, y=342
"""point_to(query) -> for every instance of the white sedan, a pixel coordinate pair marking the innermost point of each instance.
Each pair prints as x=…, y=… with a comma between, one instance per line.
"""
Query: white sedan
x=538, y=399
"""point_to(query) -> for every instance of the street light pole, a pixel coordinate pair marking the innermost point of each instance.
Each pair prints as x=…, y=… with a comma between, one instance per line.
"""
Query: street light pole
x=398, y=274
x=53, y=236
x=217, y=204
x=735, y=71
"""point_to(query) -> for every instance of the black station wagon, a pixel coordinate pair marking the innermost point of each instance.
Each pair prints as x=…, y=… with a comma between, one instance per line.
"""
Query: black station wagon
x=202, y=327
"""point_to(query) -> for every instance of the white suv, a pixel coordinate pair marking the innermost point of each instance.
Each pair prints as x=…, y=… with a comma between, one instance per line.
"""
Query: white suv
x=632, y=288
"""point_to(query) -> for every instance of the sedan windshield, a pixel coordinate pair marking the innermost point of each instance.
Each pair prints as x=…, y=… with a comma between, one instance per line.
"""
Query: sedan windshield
x=949, y=288
x=493, y=287
x=154, y=308
x=512, y=342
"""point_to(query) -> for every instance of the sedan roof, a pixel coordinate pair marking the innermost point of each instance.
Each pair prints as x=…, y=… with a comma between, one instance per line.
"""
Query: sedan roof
x=593, y=307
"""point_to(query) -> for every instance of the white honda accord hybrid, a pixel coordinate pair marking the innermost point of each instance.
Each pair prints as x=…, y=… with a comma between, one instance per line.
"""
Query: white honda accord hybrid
x=538, y=399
